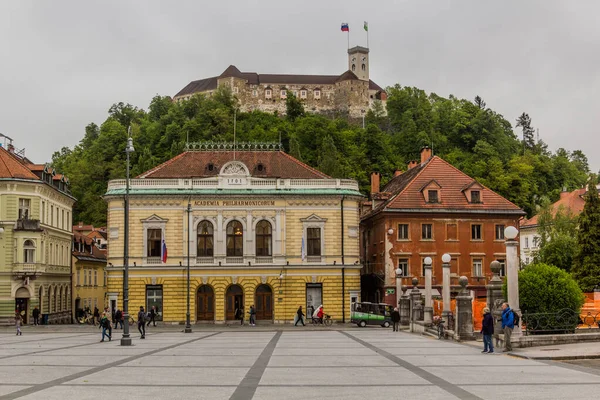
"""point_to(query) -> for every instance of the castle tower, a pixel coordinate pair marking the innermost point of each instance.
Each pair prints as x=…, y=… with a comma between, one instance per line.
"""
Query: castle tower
x=358, y=62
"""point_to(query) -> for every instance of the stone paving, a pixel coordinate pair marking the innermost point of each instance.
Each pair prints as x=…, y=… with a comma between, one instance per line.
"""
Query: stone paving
x=276, y=364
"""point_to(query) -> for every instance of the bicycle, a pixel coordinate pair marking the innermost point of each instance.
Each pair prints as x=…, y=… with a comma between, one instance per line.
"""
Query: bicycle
x=327, y=321
x=87, y=320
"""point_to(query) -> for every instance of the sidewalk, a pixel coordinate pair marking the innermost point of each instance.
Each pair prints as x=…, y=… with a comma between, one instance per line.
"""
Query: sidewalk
x=574, y=351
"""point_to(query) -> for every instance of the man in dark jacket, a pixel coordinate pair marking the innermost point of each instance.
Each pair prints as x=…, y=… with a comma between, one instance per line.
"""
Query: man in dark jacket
x=152, y=316
x=142, y=322
x=119, y=319
x=36, y=316
x=300, y=317
x=508, y=324
x=487, y=330
x=396, y=319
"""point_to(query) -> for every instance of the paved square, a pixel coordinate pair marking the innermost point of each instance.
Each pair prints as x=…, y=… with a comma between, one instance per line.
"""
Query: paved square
x=279, y=364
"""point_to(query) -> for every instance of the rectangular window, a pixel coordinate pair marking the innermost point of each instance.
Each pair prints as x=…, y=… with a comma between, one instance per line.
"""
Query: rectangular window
x=313, y=244
x=63, y=221
x=433, y=196
x=85, y=277
x=95, y=278
x=154, y=298
x=43, y=212
x=526, y=242
x=477, y=267
x=314, y=297
x=78, y=277
x=254, y=93
x=303, y=94
x=536, y=241
x=317, y=94
x=154, y=242
x=426, y=232
x=499, y=232
x=403, y=265
x=69, y=228
x=283, y=94
x=51, y=215
x=502, y=267
x=451, y=232
x=24, y=208
x=475, y=196
x=402, y=231
x=475, y=232
x=268, y=93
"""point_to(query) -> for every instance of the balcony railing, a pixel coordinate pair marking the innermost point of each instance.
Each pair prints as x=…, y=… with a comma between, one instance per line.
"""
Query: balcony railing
x=252, y=183
x=28, y=225
x=28, y=268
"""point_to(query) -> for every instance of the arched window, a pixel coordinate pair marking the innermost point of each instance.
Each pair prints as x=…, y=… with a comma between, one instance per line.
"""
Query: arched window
x=28, y=252
x=353, y=67
x=205, y=239
x=264, y=239
x=235, y=239
x=364, y=67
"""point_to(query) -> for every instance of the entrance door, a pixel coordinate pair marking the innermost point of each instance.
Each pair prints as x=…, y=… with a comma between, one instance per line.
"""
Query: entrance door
x=264, y=302
x=21, y=307
x=205, y=304
x=234, y=299
x=314, y=297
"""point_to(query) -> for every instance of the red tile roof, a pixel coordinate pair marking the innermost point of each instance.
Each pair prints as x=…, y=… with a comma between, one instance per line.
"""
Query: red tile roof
x=12, y=167
x=195, y=164
x=406, y=191
x=571, y=201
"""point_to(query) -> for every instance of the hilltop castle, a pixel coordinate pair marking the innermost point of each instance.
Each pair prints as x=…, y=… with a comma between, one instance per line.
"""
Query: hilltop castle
x=352, y=91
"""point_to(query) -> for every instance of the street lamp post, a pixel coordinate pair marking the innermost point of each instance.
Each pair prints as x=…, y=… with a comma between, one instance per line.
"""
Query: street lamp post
x=512, y=273
x=126, y=339
x=188, y=326
x=428, y=310
x=446, y=258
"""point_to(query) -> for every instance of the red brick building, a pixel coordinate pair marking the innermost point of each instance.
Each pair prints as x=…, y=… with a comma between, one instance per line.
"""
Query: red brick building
x=431, y=209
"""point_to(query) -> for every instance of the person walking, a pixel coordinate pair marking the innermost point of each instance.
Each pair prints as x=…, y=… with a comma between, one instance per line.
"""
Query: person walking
x=487, y=330
x=118, y=318
x=252, y=313
x=142, y=322
x=96, y=315
x=106, y=328
x=152, y=316
x=300, y=317
x=36, y=316
x=18, y=322
x=396, y=319
x=239, y=314
x=508, y=324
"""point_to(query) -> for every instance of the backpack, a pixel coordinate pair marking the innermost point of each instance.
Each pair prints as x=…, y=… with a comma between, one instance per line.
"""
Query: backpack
x=516, y=319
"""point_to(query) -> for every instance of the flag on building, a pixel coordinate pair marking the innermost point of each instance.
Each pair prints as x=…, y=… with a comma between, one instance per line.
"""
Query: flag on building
x=303, y=250
x=366, y=26
x=345, y=27
x=164, y=252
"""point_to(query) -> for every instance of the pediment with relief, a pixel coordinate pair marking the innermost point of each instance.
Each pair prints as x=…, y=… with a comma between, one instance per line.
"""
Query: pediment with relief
x=154, y=219
x=313, y=218
x=235, y=168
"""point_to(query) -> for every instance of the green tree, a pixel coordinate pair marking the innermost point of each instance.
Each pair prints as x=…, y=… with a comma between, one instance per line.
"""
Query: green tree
x=558, y=237
x=328, y=158
x=586, y=266
x=294, y=107
x=524, y=121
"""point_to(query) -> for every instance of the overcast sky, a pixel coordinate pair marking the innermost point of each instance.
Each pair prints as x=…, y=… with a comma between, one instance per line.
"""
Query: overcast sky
x=64, y=63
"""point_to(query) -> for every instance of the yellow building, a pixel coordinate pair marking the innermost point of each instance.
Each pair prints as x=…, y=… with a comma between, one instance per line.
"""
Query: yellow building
x=257, y=227
x=35, y=240
x=89, y=283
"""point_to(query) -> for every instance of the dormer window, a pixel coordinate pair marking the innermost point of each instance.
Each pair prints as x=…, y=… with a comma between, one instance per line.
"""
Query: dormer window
x=260, y=168
x=303, y=94
x=268, y=93
x=473, y=192
x=433, y=196
x=317, y=94
x=211, y=167
x=475, y=196
x=283, y=93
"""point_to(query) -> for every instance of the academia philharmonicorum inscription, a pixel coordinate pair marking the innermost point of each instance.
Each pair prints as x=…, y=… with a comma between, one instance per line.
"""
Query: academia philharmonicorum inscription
x=234, y=203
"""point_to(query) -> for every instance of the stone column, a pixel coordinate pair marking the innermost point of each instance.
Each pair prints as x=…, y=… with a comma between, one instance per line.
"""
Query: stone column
x=446, y=290
x=428, y=315
x=464, y=312
x=512, y=280
x=495, y=298
x=404, y=307
x=398, y=290
x=415, y=300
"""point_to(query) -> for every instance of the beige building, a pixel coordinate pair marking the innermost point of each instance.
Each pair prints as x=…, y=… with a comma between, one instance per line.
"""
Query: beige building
x=262, y=228
x=89, y=276
x=352, y=91
x=35, y=240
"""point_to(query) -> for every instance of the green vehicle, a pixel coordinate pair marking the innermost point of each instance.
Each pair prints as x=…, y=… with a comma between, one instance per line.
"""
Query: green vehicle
x=366, y=313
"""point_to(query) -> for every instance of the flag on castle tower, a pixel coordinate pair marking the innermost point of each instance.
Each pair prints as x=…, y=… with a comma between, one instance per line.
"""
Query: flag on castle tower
x=345, y=27
x=366, y=26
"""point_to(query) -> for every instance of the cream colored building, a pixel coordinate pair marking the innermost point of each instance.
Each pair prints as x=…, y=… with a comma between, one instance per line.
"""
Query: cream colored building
x=262, y=228
x=89, y=275
x=35, y=240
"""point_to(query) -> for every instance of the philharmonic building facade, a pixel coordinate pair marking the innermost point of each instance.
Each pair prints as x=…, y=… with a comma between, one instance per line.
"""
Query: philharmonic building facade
x=256, y=226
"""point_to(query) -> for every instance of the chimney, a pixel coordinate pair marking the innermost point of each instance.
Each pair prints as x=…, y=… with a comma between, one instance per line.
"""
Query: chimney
x=425, y=154
x=397, y=173
x=375, y=177
x=11, y=148
x=412, y=164
x=564, y=192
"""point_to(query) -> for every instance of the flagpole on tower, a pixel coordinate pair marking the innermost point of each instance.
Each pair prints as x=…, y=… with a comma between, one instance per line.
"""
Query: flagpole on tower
x=367, y=29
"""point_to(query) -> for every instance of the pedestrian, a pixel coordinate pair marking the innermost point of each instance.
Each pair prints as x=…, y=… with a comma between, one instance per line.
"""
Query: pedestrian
x=18, y=321
x=239, y=314
x=105, y=325
x=508, y=324
x=252, y=313
x=320, y=314
x=152, y=316
x=119, y=318
x=142, y=322
x=36, y=316
x=487, y=330
x=315, y=315
x=300, y=316
x=310, y=311
x=96, y=315
x=396, y=319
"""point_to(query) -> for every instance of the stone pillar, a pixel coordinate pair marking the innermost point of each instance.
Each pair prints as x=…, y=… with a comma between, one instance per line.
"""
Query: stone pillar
x=404, y=307
x=463, y=329
x=495, y=298
x=415, y=300
x=446, y=290
x=512, y=280
x=428, y=310
x=398, y=290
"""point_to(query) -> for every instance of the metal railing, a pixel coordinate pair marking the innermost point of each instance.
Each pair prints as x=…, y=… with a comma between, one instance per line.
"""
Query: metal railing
x=563, y=321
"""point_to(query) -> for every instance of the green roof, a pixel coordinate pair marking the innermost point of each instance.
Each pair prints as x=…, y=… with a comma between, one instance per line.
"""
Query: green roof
x=251, y=192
